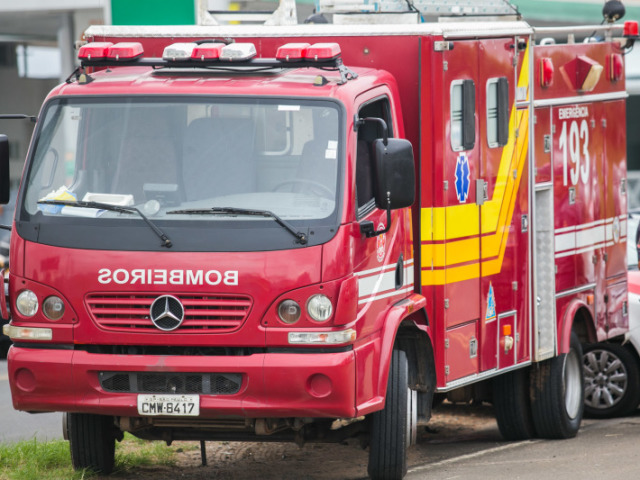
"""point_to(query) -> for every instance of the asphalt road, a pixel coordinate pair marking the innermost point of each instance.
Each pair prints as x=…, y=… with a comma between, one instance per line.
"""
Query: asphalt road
x=15, y=426
x=603, y=449
x=461, y=442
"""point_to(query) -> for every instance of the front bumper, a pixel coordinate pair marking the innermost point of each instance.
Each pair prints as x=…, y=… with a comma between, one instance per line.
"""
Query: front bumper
x=273, y=384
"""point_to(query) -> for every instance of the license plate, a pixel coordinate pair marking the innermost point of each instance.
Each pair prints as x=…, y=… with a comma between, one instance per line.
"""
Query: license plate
x=173, y=405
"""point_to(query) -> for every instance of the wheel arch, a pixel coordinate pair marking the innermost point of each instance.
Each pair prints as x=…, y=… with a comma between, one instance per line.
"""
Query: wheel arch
x=578, y=318
x=410, y=332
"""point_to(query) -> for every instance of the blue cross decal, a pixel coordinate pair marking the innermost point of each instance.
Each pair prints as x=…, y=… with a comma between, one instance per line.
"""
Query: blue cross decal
x=462, y=178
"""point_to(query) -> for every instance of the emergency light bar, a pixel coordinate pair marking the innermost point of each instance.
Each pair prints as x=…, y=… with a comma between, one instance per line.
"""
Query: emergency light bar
x=292, y=52
x=107, y=50
x=125, y=51
x=94, y=51
x=214, y=55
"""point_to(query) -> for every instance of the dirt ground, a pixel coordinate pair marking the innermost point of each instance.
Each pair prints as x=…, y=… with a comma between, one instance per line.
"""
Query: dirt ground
x=451, y=427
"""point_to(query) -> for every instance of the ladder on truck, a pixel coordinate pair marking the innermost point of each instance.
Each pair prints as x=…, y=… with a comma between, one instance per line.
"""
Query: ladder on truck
x=416, y=11
x=284, y=14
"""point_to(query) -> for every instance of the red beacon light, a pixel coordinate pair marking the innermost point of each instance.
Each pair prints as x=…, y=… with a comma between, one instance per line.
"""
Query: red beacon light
x=94, y=50
x=125, y=51
x=292, y=52
x=615, y=66
x=207, y=51
x=546, y=72
x=630, y=29
x=319, y=52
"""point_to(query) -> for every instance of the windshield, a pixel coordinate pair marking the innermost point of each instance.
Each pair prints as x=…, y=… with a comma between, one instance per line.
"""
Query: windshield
x=175, y=158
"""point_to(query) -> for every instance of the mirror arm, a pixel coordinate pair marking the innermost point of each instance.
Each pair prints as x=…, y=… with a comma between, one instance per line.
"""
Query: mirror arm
x=369, y=230
x=358, y=122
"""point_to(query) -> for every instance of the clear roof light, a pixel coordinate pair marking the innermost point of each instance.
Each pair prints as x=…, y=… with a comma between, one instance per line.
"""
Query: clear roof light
x=238, y=52
x=178, y=51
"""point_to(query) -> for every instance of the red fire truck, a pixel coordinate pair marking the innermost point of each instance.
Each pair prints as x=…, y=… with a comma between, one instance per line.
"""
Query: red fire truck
x=303, y=233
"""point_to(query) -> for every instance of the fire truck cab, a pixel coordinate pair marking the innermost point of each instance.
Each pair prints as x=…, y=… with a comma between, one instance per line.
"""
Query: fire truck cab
x=302, y=233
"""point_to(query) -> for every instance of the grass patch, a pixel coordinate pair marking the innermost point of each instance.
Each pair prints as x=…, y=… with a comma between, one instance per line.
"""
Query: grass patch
x=51, y=460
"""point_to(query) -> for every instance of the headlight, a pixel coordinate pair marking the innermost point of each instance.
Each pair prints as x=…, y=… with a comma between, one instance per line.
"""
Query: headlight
x=53, y=308
x=289, y=311
x=27, y=303
x=319, y=308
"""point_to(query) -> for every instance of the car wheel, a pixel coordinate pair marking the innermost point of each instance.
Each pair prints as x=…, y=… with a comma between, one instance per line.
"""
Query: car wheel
x=612, y=380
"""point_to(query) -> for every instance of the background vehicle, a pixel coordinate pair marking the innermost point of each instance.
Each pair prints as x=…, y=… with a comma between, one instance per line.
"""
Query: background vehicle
x=6, y=218
x=612, y=370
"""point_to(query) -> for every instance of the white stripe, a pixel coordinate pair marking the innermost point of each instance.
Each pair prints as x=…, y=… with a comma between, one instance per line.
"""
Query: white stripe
x=565, y=229
x=588, y=237
x=565, y=241
x=375, y=270
x=590, y=248
x=408, y=289
x=379, y=283
x=382, y=268
x=594, y=223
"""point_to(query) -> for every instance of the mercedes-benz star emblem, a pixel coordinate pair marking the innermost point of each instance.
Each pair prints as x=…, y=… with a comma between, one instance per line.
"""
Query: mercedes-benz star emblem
x=167, y=313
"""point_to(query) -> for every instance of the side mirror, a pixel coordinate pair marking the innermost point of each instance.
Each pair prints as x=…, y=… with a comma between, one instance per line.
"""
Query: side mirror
x=394, y=173
x=4, y=170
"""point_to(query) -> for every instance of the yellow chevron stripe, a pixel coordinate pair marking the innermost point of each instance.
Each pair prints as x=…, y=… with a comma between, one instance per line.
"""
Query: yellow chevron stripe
x=457, y=226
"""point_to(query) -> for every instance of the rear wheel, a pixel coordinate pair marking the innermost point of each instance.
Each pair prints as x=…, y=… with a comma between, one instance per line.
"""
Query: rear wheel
x=92, y=442
x=512, y=405
x=393, y=428
x=612, y=381
x=557, y=388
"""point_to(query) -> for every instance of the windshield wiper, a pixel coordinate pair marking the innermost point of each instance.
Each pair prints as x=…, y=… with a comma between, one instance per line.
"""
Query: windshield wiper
x=166, y=242
x=300, y=237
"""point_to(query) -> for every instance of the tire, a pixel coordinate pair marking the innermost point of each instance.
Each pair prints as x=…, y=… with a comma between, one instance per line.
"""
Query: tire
x=611, y=381
x=557, y=393
x=391, y=430
x=92, y=442
x=512, y=405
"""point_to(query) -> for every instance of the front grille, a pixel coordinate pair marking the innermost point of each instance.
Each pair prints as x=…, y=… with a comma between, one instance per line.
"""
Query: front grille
x=182, y=383
x=202, y=313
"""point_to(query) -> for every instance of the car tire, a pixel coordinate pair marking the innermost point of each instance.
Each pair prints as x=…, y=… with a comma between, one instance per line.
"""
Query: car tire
x=612, y=380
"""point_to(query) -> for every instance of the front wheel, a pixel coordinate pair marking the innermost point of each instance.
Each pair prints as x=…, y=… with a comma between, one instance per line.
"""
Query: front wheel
x=92, y=442
x=612, y=381
x=557, y=393
x=393, y=428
